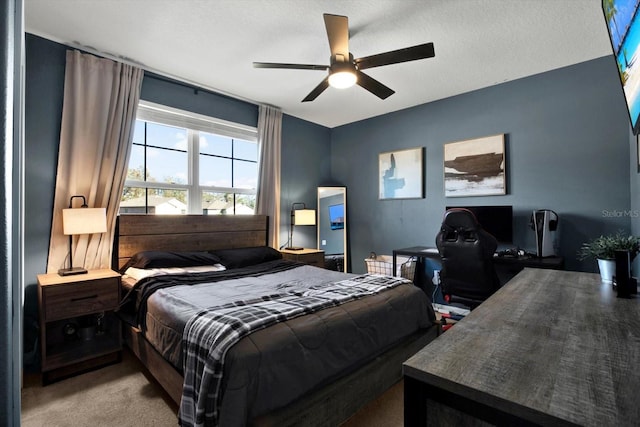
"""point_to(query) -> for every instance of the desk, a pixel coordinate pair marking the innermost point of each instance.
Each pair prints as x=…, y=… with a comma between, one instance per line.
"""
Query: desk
x=507, y=266
x=548, y=348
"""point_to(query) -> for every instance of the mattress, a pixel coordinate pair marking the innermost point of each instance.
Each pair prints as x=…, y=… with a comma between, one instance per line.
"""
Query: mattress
x=272, y=367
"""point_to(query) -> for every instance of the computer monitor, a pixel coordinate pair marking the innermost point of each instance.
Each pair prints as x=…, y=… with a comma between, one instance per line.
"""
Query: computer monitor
x=497, y=220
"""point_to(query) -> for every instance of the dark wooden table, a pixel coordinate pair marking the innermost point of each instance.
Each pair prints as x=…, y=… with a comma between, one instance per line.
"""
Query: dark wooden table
x=549, y=348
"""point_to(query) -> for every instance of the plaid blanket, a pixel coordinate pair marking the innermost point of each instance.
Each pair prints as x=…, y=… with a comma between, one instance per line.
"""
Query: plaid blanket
x=211, y=333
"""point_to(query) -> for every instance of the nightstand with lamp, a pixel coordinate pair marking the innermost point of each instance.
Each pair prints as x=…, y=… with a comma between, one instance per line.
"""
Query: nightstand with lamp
x=302, y=216
x=78, y=328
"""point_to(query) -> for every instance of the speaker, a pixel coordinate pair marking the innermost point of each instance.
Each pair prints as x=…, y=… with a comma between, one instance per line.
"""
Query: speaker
x=545, y=224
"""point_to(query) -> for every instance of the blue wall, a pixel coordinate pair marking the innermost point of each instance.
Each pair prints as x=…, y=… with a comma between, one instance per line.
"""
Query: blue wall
x=306, y=165
x=185, y=97
x=567, y=149
x=44, y=89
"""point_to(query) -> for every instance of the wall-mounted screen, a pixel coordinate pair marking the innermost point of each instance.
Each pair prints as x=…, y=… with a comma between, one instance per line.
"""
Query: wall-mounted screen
x=497, y=220
x=623, y=25
x=336, y=216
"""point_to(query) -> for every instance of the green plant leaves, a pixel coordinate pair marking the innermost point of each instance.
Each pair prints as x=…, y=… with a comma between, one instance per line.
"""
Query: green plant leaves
x=604, y=247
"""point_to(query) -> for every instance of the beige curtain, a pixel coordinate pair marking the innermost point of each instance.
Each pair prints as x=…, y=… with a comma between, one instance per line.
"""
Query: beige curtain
x=269, y=143
x=100, y=101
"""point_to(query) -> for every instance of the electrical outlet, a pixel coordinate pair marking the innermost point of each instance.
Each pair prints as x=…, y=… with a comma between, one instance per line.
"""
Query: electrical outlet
x=324, y=242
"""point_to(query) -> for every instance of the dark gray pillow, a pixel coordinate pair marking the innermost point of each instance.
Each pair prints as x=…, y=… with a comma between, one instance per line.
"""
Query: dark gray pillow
x=243, y=257
x=168, y=259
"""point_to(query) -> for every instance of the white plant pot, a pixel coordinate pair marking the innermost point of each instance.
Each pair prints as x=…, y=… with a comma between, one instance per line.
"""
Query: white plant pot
x=607, y=269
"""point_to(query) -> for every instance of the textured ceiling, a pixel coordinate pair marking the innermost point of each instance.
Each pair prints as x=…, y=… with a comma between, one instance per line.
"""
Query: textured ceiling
x=478, y=43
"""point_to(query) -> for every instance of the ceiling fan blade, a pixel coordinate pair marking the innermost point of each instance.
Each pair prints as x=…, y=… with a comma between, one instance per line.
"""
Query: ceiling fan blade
x=421, y=51
x=318, y=90
x=338, y=34
x=374, y=86
x=290, y=66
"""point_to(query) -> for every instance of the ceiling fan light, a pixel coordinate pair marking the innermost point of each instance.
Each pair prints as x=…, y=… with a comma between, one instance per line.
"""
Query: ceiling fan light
x=342, y=79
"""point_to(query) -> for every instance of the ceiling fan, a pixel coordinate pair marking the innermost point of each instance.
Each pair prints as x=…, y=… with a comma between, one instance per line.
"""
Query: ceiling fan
x=345, y=71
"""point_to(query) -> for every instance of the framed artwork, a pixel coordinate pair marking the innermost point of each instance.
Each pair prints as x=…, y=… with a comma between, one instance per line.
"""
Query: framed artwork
x=401, y=174
x=475, y=167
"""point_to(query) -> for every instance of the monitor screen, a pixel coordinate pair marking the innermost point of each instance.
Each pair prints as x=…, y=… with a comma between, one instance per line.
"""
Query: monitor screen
x=623, y=25
x=336, y=216
x=497, y=220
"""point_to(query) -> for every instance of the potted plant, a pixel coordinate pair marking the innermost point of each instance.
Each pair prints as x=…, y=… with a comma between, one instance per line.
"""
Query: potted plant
x=603, y=249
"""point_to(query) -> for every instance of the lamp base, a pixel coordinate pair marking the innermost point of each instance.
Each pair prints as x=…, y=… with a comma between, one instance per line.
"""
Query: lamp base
x=294, y=248
x=71, y=271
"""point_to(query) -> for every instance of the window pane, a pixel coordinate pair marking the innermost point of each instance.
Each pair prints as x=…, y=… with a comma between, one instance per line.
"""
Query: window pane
x=215, y=144
x=245, y=204
x=217, y=203
x=215, y=171
x=245, y=174
x=168, y=202
x=136, y=163
x=214, y=203
x=166, y=136
x=138, y=132
x=137, y=200
x=246, y=150
x=133, y=201
x=167, y=166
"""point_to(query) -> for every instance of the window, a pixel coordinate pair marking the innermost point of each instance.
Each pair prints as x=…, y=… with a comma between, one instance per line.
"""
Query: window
x=183, y=162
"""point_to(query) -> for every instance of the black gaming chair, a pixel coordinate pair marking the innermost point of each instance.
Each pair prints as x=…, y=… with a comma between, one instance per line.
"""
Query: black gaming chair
x=468, y=275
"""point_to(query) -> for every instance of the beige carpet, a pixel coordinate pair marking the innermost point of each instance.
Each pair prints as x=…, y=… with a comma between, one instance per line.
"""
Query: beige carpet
x=122, y=395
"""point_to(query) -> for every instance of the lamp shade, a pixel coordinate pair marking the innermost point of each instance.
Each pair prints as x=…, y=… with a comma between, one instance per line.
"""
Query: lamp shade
x=84, y=221
x=304, y=217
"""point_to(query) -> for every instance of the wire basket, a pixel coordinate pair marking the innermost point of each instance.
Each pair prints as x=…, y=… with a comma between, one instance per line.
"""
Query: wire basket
x=383, y=264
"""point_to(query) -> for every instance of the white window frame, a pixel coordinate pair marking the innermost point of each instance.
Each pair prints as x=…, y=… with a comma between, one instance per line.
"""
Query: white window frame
x=193, y=123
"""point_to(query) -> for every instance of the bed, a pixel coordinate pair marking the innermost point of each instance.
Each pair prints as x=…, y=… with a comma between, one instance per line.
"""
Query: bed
x=318, y=368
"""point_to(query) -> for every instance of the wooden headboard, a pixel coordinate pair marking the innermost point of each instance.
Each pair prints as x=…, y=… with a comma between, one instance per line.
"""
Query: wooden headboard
x=135, y=233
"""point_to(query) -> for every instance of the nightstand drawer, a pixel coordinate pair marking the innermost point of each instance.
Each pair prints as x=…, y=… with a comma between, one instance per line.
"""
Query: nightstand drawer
x=78, y=299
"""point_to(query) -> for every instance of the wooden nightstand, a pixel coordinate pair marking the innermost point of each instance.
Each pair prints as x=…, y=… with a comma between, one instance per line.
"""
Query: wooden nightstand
x=313, y=257
x=78, y=328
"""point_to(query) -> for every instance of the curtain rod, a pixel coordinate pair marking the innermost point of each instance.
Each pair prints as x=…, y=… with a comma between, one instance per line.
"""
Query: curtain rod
x=159, y=75
x=193, y=86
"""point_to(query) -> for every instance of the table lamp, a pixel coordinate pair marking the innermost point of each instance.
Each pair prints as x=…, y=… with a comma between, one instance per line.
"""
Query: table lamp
x=84, y=220
x=302, y=216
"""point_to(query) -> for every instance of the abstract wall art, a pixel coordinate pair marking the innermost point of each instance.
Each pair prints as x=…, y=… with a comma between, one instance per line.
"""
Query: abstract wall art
x=401, y=174
x=475, y=167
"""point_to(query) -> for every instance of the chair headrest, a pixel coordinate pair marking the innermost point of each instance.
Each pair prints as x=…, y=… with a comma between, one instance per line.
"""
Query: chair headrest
x=460, y=218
